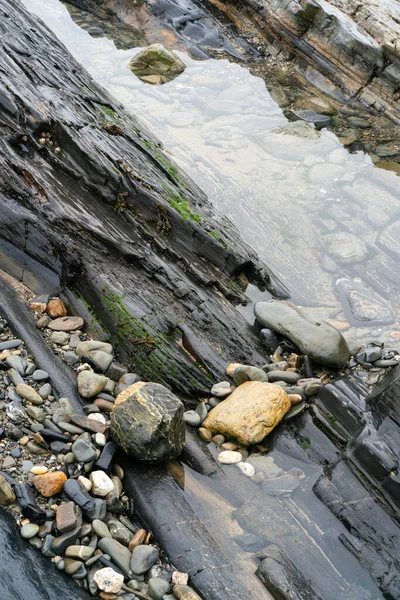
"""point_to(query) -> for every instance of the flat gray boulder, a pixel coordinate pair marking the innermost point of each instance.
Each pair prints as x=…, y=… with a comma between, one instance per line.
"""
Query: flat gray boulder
x=319, y=340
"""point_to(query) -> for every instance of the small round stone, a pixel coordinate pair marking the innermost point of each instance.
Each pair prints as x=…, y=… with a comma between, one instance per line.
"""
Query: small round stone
x=228, y=457
x=108, y=580
x=29, y=531
x=39, y=470
x=246, y=468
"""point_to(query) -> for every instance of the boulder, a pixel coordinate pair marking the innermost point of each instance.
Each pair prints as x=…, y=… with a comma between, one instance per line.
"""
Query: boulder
x=319, y=340
x=250, y=412
x=156, y=65
x=147, y=422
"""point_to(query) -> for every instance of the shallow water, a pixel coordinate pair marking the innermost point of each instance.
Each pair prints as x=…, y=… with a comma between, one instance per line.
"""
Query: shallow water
x=284, y=193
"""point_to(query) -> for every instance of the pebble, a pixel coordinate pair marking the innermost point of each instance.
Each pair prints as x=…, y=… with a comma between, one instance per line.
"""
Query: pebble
x=83, y=451
x=246, y=468
x=67, y=516
x=222, y=389
x=218, y=439
x=85, y=483
x=157, y=588
x=143, y=558
x=184, y=592
x=56, y=308
x=39, y=470
x=228, y=457
x=40, y=375
x=118, y=553
x=66, y=324
x=90, y=384
x=192, y=418
x=101, y=483
x=50, y=483
x=179, y=578
x=80, y=552
x=205, y=434
x=101, y=529
x=7, y=495
x=108, y=580
x=295, y=398
x=45, y=391
x=138, y=539
x=29, y=531
x=29, y=393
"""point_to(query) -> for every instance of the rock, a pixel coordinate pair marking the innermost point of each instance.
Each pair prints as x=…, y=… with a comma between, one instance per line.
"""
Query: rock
x=43, y=322
x=156, y=65
x=299, y=129
x=294, y=399
x=83, y=348
x=101, y=529
x=7, y=495
x=362, y=305
x=319, y=340
x=66, y=324
x=158, y=587
x=179, y=578
x=184, y=592
x=248, y=373
x=36, y=413
x=250, y=542
x=108, y=580
x=222, y=389
x=192, y=418
x=83, y=451
x=126, y=381
x=63, y=410
x=246, y=468
x=119, y=554
x=101, y=483
x=295, y=410
x=17, y=363
x=29, y=393
x=61, y=338
x=282, y=485
x=143, y=558
x=92, y=424
x=50, y=483
x=40, y=375
x=205, y=434
x=39, y=470
x=286, y=376
x=67, y=516
x=147, y=422
x=279, y=96
x=45, y=391
x=90, y=384
x=229, y=457
x=29, y=531
x=266, y=465
x=56, y=308
x=101, y=359
x=138, y=539
x=345, y=247
x=71, y=358
x=250, y=413
x=80, y=552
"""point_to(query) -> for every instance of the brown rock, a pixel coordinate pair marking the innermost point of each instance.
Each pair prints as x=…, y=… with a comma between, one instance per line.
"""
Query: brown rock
x=43, y=322
x=38, y=307
x=56, y=308
x=104, y=405
x=50, y=483
x=250, y=412
x=88, y=424
x=66, y=324
x=29, y=393
x=295, y=399
x=205, y=434
x=107, y=596
x=7, y=495
x=66, y=517
x=230, y=369
x=184, y=592
x=137, y=540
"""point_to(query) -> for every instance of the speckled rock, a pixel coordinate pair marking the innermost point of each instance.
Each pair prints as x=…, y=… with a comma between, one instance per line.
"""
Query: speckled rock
x=90, y=384
x=50, y=483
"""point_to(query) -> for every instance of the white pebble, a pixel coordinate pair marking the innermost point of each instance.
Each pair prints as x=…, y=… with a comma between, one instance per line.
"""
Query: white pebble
x=179, y=578
x=97, y=417
x=85, y=482
x=108, y=580
x=247, y=469
x=101, y=483
x=100, y=439
x=229, y=457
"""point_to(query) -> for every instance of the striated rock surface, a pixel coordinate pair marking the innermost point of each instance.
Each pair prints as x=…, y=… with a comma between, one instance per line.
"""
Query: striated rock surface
x=147, y=422
x=319, y=340
x=249, y=413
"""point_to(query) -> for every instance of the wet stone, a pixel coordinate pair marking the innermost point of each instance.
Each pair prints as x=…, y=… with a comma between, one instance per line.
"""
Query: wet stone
x=158, y=587
x=119, y=554
x=101, y=529
x=61, y=543
x=67, y=516
x=83, y=451
x=143, y=558
x=90, y=384
x=29, y=531
x=40, y=375
x=250, y=542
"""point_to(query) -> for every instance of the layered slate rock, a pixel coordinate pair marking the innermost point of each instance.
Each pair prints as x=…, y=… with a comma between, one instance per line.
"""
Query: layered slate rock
x=319, y=340
x=147, y=422
x=249, y=413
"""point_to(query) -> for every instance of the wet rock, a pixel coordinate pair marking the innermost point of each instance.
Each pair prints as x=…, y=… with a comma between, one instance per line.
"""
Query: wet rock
x=61, y=338
x=50, y=483
x=119, y=532
x=56, y=308
x=108, y=580
x=250, y=413
x=192, y=418
x=119, y=554
x=67, y=516
x=282, y=485
x=138, y=539
x=222, y=389
x=29, y=393
x=322, y=342
x=29, y=531
x=266, y=465
x=63, y=410
x=143, y=558
x=101, y=484
x=156, y=65
x=250, y=542
x=245, y=373
x=362, y=305
x=90, y=384
x=147, y=422
x=157, y=588
x=83, y=451
x=345, y=247
x=61, y=543
x=282, y=578
x=184, y=592
x=126, y=381
x=73, y=489
x=7, y=495
x=66, y=324
x=246, y=468
x=229, y=457
x=107, y=455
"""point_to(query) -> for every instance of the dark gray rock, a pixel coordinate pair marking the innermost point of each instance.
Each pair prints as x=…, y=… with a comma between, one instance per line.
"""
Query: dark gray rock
x=143, y=558
x=147, y=422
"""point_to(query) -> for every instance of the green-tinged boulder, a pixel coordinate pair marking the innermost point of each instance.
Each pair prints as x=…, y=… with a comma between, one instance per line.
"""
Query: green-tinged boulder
x=156, y=65
x=147, y=422
x=319, y=340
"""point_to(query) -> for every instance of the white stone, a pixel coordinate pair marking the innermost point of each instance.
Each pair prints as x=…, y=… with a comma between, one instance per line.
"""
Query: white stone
x=108, y=580
x=85, y=483
x=247, y=469
x=179, y=578
x=100, y=439
x=229, y=457
x=101, y=483
x=98, y=417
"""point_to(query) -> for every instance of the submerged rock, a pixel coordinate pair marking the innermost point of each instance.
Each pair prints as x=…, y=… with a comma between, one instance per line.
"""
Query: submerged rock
x=147, y=422
x=156, y=65
x=363, y=306
x=250, y=412
x=317, y=339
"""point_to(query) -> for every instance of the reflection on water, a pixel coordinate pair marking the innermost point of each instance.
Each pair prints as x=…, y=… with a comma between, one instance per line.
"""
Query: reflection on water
x=289, y=196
